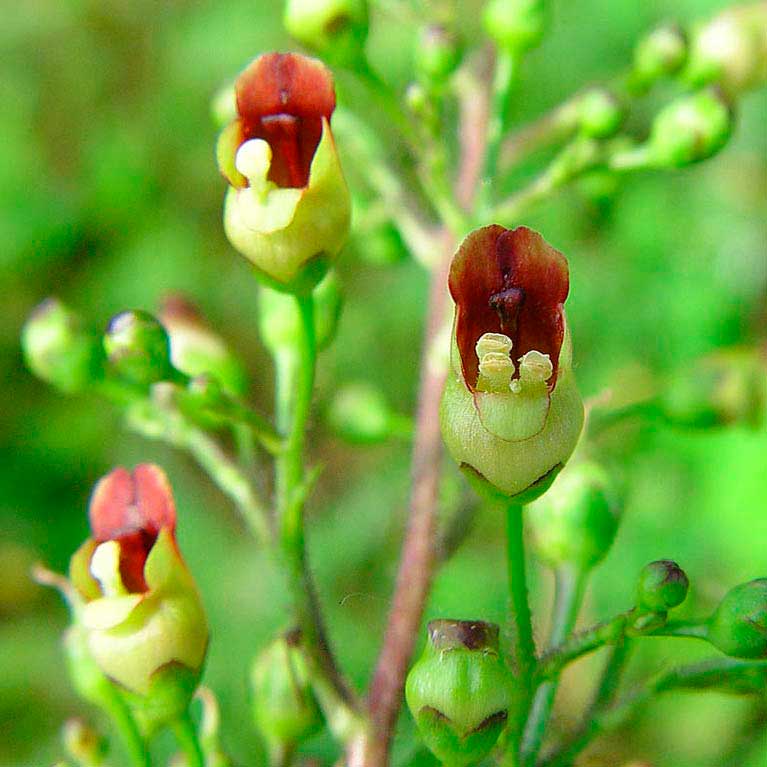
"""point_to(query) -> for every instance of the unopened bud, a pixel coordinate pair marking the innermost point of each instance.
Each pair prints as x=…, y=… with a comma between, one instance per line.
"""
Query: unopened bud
x=515, y=25
x=138, y=348
x=659, y=54
x=738, y=627
x=59, y=348
x=360, y=414
x=437, y=54
x=726, y=388
x=690, y=129
x=731, y=49
x=575, y=522
x=335, y=28
x=662, y=586
x=600, y=114
x=284, y=706
x=82, y=743
x=459, y=691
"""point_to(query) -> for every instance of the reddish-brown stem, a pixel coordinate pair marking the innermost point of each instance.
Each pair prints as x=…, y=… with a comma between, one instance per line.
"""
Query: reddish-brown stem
x=418, y=551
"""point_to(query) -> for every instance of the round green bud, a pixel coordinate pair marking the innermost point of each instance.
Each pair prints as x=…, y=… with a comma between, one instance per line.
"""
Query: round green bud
x=514, y=25
x=138, y=348
x=336, y=28
x=459, y=691
x=437, y=54
x=600, y=114
x=731, y=49
x=279, y=321
x=359, y=413
x=575, y=522
x=662, y=585
x=690, y=129
x=59, y=349
x=661, y=53
x=738, y=627
x=285, y=709
x=726, y=388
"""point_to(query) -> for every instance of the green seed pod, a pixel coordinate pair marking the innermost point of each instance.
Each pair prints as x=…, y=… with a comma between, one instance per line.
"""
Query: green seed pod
x=662, y=585
x=600, y=114
x=437, y=54
x=738, y=627
x=575, y=522
x=731, y=49
x=511, y=427
x=726, y=388
x=285, y=709
x=657, y=55
x=515, y=25
x=689, y=130
x=337, y=29
x=196, y=350
x=83, y=744
x=59, y=349
x=138, y=348
x=459, y=691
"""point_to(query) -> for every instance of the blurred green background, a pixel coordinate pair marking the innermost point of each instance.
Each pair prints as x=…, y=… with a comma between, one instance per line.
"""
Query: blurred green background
x=109, y=196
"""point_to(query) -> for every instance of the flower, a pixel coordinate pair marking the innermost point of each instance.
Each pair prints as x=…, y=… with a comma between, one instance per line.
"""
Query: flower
x=137, y=604
x=287, y=208
x=511, y=425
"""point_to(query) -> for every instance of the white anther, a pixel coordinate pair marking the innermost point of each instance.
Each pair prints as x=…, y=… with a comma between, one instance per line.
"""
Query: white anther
x=535, y=366
x=492, y=342
x=495, y=372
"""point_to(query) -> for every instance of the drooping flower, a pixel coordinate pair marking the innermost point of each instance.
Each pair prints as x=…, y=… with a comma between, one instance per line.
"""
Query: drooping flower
x=138, y=606
x=288, y=208
x=511, y=413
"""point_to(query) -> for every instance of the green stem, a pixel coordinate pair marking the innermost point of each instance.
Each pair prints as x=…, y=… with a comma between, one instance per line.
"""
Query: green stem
x=126, y=727
x=186, y=735
x=523, y=644
x=570, y=584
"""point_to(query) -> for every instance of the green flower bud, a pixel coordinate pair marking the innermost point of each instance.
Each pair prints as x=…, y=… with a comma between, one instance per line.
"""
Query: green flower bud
x=459, y=691
x=59, y=348
x=510, y=426
x=662, y=585
x=195, y=349
x=138, y=348
x=600, y=114
x=515, y=25
x=726, y=388
x=738, y=627
x=83, y=744
x=437, y=54
x=285, y=709
x=575, y=522
x=731, y=49
x=140, y=615
x=337, y=29
x=690, y=129
x=287, y=208
x=280, y=323
x=661, y=53
x=359, y=413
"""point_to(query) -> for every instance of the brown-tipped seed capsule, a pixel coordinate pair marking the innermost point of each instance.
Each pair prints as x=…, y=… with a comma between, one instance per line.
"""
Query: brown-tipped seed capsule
x=662, y=586
x=738, y=627
x=459, y=691
x=511, y=414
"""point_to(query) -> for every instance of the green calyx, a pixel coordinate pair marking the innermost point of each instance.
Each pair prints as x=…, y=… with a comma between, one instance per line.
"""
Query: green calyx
x=335, y=28
x=285, y=709
x=738, y=627
x=659, y=54
x=459, y=691
x=575, y=522
x=515, y=25
x=662, y=586
x=60, y=349
x=138, y=348
x=289, y=235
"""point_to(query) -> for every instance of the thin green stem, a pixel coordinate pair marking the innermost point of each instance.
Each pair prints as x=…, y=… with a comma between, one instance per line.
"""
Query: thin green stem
x=523, y=644
x=127, y=729
x=570, y=585
x=692, y=629
x=186, y=735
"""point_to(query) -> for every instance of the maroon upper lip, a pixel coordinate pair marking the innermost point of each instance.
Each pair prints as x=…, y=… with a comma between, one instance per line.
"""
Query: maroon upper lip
x=282, y=98
x=508, y=281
